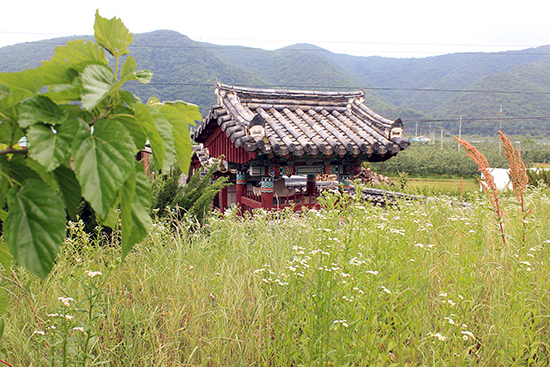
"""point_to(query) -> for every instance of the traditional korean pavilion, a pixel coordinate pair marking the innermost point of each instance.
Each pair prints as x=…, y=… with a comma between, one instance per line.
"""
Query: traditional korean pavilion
x=266, y=135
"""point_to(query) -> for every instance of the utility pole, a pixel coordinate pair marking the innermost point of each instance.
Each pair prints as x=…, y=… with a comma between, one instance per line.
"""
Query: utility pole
x=416, y=131
x=441, y=139
x=500, y=129
x=460, y=132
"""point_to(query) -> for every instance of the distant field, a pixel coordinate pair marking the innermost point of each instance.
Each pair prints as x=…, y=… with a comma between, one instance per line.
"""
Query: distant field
x=442, y=186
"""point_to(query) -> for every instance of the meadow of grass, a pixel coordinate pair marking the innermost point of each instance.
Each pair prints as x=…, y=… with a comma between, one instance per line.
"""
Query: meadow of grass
x=437, y=185
x=418, y=284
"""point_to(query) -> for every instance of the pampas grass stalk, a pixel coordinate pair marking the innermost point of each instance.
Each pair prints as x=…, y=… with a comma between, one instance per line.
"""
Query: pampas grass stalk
x=487, y=182
x=518, y=175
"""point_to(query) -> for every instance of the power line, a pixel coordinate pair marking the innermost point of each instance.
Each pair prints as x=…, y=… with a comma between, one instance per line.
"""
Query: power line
x=237, y=47
x=470, y=119
x=297, y=41
x=439, y=90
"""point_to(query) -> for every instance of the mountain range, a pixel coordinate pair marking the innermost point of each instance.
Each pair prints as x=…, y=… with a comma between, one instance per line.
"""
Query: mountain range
x=426, y=93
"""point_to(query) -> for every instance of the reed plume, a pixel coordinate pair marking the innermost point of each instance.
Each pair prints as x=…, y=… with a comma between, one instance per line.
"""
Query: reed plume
x=487, y=182
x=518, y=174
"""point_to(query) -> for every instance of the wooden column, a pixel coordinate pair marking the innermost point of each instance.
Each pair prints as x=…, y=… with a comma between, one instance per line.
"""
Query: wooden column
x=240, y=190
x=267, y=192
x=224, y=199
x=311, y=185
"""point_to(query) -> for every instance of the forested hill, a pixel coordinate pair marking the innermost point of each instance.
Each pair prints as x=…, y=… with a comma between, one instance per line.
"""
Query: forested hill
x=416, y=89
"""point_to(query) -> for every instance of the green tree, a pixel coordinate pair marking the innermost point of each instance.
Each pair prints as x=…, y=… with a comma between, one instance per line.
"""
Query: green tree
x=193, y=198
x=82, y=131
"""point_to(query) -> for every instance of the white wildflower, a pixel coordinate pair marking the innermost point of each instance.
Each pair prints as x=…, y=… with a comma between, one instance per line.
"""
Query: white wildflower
x=385, y=289
x=66, y=301
x=373, y=272
x=451, y=321
x=92, y=274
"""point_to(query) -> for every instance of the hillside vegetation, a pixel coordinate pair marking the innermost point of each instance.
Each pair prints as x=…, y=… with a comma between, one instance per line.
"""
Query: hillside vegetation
x=419, y=90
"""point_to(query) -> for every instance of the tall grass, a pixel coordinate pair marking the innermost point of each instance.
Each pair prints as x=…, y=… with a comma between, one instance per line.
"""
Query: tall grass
x=351, y=285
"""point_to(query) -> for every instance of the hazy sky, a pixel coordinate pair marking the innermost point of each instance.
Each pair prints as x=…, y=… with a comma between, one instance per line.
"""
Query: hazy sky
x=393, y=28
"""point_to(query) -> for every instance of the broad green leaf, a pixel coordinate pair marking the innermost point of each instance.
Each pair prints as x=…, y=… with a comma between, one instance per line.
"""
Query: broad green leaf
x=128, y=69
x=57, y=72
x=97, y=81
x=5, y=255
x=68, y=130
x=167, y=139
x=42, y=172
x=134, y=126
x=46, y=147
x=129, y=98
x=39, y=109
x=145, y=119
x=69, y=188
x=65, y=93
x=4, y=91
x=10, y=133
x=103, y=161
x=70, y=60
x=18, y=170
x=3, y=215
x=112, y=35
x=35, y=227
x=22, y=85
x=78, y=54
x=188, y=112
x=144, y=76
x=135, y=208
x=177, y=119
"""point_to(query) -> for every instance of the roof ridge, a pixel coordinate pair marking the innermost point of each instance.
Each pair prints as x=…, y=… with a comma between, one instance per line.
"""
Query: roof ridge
x=290, y=92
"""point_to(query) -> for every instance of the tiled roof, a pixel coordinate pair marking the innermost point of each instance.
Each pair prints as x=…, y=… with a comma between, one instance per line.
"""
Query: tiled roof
x=299, y=122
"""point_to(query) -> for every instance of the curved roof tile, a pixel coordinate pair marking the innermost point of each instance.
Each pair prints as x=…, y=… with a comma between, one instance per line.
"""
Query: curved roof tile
x=300, y=122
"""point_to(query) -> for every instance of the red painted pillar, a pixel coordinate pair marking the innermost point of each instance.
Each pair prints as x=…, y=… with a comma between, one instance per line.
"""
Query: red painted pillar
x=224, y=199
x=240, y=190
x=267, y=192
x=311, y=185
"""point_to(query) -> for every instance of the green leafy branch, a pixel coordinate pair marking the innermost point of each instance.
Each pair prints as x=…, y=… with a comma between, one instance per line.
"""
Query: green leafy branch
x=82, y=131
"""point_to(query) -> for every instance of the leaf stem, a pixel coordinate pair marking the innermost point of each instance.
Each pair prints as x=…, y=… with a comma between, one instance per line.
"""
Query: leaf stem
x=100, y=117
x=12, y=150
